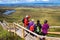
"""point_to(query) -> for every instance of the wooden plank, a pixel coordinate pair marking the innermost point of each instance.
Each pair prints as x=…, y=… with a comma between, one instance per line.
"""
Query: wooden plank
x=54, y=32
x=54, y=27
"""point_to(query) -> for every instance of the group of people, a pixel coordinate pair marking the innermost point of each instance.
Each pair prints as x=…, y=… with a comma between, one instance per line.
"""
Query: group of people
x=36, y=26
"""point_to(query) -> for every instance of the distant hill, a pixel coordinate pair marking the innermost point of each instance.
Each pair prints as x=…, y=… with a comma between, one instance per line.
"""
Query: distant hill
x=30, y=4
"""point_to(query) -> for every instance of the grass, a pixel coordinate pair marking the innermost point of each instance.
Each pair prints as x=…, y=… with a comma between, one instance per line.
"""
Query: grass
x=53, y=35
x=54, y=30
x=5, y=35
x=52, y=15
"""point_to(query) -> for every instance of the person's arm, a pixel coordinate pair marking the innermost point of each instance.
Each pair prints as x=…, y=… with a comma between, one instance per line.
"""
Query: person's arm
x=48, y=26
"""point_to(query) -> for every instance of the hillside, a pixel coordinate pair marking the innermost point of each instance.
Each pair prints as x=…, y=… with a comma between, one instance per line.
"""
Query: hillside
x=51, y=14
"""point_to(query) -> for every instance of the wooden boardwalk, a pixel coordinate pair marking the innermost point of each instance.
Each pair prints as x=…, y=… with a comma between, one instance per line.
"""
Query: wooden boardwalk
x=21, y=31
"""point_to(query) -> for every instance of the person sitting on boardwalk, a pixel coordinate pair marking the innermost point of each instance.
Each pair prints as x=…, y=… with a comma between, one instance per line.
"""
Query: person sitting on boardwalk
x=45, y=28
x=38, y=27
x=26, y=21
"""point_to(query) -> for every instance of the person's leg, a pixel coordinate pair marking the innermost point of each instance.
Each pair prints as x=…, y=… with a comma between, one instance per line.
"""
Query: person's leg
x=43, y=34
x=26, y=32
x=43, y=38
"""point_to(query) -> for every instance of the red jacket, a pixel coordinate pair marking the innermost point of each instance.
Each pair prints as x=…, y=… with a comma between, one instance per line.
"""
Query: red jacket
x=26, y=21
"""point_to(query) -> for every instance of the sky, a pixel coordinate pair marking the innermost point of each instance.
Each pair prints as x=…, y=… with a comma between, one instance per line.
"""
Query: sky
x=28, y=1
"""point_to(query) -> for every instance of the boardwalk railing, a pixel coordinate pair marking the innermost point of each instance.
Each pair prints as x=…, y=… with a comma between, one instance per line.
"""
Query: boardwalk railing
x=21, y=31
x=37, y=36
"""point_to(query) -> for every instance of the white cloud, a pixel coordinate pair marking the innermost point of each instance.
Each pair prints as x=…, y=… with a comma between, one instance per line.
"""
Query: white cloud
x=45, y=0
x=1, y=2
x=10, y=1
x=37, y=0
x=16, y=1
x=29, y=0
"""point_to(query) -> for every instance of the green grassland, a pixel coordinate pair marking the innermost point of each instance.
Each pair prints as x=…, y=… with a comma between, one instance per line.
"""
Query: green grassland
x=5, y=35
x=54, y=30
x=51, y=14
x=53, y=35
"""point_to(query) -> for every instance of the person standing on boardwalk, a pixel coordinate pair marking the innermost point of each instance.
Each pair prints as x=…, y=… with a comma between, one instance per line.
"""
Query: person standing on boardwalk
x=26, y=21
x=45, y=28
x=38, y=27
x=31, y=23
x=31, y=26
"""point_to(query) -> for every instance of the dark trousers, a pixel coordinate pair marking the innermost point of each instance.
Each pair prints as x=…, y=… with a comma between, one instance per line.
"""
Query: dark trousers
x=44, y=34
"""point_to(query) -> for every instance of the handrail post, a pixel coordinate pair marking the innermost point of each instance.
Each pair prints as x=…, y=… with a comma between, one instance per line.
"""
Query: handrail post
x=10, y=27
x=23, y=33
x=37, y=38
x=14, y=29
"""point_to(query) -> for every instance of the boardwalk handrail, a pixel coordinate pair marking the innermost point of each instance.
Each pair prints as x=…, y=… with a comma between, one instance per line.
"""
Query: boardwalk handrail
x=49, y=27
x=54, y=27
x=39, y=36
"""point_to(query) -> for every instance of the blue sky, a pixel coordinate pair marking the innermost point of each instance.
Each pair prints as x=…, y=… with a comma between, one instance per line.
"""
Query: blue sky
x=28, y=1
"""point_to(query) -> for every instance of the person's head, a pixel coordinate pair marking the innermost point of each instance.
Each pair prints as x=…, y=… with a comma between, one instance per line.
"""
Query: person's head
x=43, y=38
x=45, y=21
x=32, y=20
x=38, y=21
x=27, y=16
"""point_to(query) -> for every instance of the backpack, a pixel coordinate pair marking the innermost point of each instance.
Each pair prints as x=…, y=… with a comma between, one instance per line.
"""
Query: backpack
x=23, y=20
x=32, y=28
x=38, y=30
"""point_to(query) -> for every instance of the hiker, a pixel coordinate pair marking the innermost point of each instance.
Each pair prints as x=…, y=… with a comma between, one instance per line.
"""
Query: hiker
x=38, y=27
x=31, y=26
x=26, y=21
x=30, y=23
x=45, y=28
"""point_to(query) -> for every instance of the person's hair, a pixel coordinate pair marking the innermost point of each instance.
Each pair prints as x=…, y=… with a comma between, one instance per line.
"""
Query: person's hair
x=32, y=19
x=38, y=21
x=26, y=16
x=45, y=21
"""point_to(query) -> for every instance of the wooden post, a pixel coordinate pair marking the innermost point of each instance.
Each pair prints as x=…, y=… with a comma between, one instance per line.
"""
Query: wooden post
x=23, y=33
x=10, y=27
x=14, y=29
x=37, y=38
